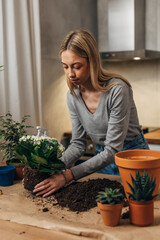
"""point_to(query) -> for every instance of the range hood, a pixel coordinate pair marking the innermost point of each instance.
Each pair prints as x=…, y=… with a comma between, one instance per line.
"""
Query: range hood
x=129, y=29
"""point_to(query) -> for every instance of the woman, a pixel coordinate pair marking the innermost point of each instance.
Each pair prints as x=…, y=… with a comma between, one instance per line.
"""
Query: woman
x=100, y=104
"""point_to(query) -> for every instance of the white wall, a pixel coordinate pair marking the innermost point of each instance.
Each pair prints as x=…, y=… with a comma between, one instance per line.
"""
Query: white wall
x=145, y=79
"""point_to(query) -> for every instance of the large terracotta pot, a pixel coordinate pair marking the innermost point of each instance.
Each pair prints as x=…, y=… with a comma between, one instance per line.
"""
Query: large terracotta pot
x=141, y=213
x=110, y=213
x=130, y=161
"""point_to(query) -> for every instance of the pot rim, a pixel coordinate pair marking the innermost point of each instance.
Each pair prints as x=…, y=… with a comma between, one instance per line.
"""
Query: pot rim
x=141, y=202
x=6, y=169
x=125, y=159
x=105, y=205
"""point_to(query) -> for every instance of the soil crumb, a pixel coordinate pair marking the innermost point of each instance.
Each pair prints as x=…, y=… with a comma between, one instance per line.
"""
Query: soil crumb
x=79, y=196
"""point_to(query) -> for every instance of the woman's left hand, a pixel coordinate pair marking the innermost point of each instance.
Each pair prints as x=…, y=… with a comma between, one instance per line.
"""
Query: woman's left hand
x=49, y=185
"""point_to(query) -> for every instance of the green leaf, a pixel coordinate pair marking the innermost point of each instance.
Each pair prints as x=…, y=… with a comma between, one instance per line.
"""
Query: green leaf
x=39, y=160
x=142, y=187
x=22, y=158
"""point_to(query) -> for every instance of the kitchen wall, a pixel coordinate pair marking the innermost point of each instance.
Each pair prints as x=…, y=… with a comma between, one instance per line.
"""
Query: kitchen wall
x=57, y=19
x=144, y=77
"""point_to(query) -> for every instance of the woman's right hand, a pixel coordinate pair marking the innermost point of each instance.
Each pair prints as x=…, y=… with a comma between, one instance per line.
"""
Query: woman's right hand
x=53, y=183
x=49, y=185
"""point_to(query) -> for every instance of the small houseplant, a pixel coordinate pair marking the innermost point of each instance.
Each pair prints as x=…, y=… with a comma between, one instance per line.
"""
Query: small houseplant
x=10, y=132
x=110, y=203
x=41, y=157
x=141, y=199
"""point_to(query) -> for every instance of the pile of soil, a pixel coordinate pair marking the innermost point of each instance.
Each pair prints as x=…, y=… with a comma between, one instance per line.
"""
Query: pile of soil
x=81, y=196
x=77, y=196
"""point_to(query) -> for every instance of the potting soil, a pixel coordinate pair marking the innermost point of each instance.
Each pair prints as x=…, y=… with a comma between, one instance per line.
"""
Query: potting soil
x=80, y=196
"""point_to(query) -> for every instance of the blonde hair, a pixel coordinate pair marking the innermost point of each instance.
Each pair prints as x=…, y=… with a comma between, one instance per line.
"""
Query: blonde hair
x=82, y=43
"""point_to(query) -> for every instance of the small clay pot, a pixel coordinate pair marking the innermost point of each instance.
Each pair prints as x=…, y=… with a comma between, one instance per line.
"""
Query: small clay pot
x=141, y=213
x=19, y=168
x=110, y=213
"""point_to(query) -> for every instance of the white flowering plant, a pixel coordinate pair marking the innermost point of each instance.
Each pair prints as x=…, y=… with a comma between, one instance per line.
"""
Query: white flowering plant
x=40, y=152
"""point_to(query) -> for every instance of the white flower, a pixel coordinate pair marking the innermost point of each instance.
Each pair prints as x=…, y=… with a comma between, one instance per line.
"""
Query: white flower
x=37, y=140
x=61, y=148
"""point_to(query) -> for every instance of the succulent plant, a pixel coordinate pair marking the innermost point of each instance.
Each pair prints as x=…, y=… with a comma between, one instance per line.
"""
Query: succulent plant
x=110, y=196
x=142, y=187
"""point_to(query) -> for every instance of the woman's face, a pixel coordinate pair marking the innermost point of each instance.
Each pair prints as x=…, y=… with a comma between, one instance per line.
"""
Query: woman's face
x=76, y=68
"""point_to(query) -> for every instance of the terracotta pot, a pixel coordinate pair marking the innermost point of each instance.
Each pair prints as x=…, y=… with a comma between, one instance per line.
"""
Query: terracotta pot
x=141, y=213
x=19, y=172
x=110, y=213
x=19, y=169
x=130, y=161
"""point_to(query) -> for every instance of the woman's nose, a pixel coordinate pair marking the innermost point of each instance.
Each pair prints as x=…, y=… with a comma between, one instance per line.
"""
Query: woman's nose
x=71, y=73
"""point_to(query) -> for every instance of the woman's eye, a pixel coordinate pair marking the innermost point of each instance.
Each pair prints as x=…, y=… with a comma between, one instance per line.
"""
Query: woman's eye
x=65, y=67
x=77, y=67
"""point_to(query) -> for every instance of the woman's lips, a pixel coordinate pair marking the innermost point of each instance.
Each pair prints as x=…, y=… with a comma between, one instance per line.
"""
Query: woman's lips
x=74, y=80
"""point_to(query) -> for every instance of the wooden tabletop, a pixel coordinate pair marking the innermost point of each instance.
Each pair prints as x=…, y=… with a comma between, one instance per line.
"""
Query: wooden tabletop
x=12, y=230
x=153, y=136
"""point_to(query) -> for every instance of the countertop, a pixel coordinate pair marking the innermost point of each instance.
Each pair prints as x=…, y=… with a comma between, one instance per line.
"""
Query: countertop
x=21, y=219
x=153, y=136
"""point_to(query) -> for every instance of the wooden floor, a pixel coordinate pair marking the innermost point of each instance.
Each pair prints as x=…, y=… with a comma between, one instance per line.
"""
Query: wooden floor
x=15, y=231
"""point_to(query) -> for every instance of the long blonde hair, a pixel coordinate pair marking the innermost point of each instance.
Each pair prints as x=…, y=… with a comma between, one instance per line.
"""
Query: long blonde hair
x=82, y=43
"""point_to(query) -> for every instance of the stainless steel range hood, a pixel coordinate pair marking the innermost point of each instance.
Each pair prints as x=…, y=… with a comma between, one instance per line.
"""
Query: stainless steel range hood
x=129, y=29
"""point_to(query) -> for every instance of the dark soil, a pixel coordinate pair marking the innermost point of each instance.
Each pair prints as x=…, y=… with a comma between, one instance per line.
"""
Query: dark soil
x=32, y=177
x=77, y=196
x=81, y=196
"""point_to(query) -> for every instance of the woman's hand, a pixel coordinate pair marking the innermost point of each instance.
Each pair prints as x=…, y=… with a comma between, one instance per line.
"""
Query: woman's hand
x=49, y=185
x=53, y=183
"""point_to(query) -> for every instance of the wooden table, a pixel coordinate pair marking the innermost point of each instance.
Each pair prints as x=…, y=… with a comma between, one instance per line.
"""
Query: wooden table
x=20, y=226
x=11, y=230
x=153, y=137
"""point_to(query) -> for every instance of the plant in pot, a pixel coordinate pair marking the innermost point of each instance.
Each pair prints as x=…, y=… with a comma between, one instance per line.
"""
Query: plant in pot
x=110, y=202
x=41, y=156
x=131, y=161
x=10, y=133
x=141, y=204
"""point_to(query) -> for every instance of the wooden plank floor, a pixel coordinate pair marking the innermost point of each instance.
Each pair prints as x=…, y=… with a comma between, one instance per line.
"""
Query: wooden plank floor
x=10, y=230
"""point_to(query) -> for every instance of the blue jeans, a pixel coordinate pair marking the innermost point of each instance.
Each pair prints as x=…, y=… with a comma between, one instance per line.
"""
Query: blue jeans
x=138, y=142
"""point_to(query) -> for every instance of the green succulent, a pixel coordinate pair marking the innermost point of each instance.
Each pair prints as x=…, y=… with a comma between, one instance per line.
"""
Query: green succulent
x=110, y=196
x=142, y=187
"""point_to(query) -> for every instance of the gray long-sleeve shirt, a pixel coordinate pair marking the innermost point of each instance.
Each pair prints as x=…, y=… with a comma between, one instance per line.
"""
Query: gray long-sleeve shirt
x=114, y=122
